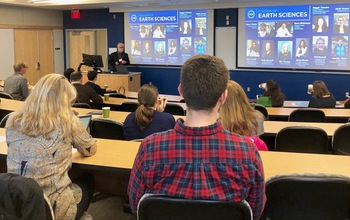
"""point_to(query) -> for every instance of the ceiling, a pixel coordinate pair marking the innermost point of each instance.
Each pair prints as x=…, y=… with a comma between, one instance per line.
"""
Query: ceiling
x=132, y=5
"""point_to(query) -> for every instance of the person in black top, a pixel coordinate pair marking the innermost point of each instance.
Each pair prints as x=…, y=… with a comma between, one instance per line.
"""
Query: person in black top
x=119, y=57
x=323, y=98
x=92, y=77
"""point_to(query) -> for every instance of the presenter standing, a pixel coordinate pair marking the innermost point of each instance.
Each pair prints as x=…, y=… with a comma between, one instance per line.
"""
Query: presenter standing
x=119, y=57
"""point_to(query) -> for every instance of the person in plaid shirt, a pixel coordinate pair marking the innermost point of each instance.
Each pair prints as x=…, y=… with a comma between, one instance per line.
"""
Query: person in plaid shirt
x=198, y=159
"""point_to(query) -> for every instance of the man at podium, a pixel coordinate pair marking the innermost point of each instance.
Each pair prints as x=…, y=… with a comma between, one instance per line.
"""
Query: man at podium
x=119, y=57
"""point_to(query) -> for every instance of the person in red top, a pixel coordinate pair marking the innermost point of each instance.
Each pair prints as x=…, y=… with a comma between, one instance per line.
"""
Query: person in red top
x=199, y=159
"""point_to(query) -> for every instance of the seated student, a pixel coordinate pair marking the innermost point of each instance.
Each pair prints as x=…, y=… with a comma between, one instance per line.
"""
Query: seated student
x=68, y=72
x=17, y=85
x=238, y=116
x=199, y=159
x=322, y=97
x=149, y=117
x=85, y=93
x=273, y=97
x=92, y=77
x=40, y=136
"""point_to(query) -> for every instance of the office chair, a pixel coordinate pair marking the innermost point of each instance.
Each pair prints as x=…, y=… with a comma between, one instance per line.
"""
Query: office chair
x=81, y=105
x=307, y=115
x=341, y=140
x=174, y=109
x=158, y=207
x=4, y=120
x=5, y=95
x=129, y=106
x=305, y=197
x=108, y=129
x=23, y=198
x=263, y=110
x=302, y=139
x=117, y=95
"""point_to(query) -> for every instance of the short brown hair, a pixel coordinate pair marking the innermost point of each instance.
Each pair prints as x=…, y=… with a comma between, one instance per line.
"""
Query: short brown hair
x=76, y=76
x=19, y=65
x=320, y=89
x=203, y=80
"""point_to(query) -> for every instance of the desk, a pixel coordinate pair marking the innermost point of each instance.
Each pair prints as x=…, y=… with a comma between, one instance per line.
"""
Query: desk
x=170, y=98
x=131, y=82
x=305, y=104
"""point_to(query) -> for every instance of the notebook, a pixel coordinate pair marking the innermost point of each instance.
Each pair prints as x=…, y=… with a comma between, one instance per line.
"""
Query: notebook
x=85, y=120
x=121, y=69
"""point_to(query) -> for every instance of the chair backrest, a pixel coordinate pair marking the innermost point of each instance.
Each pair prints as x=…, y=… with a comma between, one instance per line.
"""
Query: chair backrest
x=22, y=198
x=262, y=109
x=129, y=106
x=302, y=139
x=4, y=120
x=307, y=115
x=117, y=95
x=81, y=105
x=5, y=95
x=157, y=207
x=108, y=129
x=174, y=109
x=341, y=140
x=305, y=197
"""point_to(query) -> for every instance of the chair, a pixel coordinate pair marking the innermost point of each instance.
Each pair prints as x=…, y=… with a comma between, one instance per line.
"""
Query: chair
x=263, y=110
x=157, y=207
x=22, y=198
x=174, y=109
x=302, y=139
x=108, y=129
x=3, y=121
x=5, y=95
x=341, y=140
x=305, y=197
x=81, y=105
x=129, y=106
x=117, y=95
x=307, y=115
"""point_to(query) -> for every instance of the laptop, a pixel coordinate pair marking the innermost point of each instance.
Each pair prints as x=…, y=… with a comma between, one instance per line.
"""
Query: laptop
x=85, y=120
x=121, y=69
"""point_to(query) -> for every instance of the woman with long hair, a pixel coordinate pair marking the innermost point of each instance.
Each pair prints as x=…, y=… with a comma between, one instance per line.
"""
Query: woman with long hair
x=238, y=116
x=149, y=117
x=40, y=136
x=322, y=97
x=320, y=25
x=273, y=97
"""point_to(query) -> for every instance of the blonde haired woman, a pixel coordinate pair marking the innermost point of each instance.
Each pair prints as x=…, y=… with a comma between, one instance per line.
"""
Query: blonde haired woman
x=149, y=117
x=40, y=137
x=238, y=116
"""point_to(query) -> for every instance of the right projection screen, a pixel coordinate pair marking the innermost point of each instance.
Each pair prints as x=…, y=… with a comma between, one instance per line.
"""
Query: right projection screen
x=302, y=37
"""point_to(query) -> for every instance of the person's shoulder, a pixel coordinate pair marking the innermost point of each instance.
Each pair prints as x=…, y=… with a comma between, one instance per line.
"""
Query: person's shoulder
x=130, y=118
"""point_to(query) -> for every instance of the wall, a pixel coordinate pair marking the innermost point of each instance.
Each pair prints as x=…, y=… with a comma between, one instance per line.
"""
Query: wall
x=293, y=84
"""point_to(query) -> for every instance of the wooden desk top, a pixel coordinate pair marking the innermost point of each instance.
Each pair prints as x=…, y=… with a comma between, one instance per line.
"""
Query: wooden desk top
x=329, y=112
x=171, y=98
x=273, y=127
x=305, y=104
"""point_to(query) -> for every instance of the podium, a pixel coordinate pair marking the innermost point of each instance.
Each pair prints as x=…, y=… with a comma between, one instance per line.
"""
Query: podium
x=131, y=81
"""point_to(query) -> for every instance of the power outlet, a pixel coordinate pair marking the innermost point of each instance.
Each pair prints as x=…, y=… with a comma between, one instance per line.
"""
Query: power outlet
x=248, y=89
x=347, y=94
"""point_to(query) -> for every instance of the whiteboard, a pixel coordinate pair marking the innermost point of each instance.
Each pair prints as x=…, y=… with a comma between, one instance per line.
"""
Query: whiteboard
x=225, y=45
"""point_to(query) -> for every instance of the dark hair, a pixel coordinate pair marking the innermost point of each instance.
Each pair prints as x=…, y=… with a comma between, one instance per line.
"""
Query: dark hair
x=320, y=89
x=75, y=76
x=274, y=92
x=304, y=43
x=324, y=26
x=67, y=72
x=203, y=80
x=91, y=75
x=147, y=97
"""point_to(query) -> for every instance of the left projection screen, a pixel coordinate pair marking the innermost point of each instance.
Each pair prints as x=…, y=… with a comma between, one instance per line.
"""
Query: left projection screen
x=168, y=38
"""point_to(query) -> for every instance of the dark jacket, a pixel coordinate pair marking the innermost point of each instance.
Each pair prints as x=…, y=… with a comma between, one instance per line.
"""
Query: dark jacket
x=85, y=94
x=114, y=57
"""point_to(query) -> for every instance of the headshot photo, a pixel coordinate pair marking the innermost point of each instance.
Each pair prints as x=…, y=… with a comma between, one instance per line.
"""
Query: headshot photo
x=200, y=26
x=301, y=49
x=136, y=47
x=340, y=46
x=320, y=24
x=145, y=31
x=159, y=48
x=266, y=29
x=159, y=31
x=147, y=49
x=253, y=48
x=172, y=47
x=185, y=44
x=320, y=45
x=285, y=50
x=284, y=29
x=200, y=45
x=267, y=51
x=341, y=23
x=185, y=27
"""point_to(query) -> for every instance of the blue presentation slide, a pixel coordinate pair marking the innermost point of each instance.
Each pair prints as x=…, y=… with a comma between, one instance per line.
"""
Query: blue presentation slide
x=167, y=37
x=312, y=37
